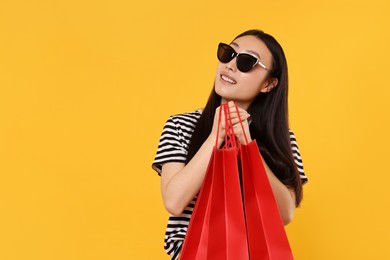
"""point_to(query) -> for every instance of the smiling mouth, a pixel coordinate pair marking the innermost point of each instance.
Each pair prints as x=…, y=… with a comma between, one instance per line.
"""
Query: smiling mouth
x=227, y=79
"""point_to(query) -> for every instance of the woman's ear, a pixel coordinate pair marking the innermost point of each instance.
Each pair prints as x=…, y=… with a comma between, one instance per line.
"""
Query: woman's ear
x=271, y=83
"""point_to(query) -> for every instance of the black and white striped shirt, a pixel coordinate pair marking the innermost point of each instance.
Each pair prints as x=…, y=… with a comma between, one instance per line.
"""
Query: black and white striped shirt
x=173, y=147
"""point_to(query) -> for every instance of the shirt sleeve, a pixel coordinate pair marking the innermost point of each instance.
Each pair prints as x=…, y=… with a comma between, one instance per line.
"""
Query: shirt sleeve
x=171, y=147
x=297, y=157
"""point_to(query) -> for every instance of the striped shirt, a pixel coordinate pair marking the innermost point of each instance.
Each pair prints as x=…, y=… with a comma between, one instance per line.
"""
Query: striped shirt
x=173, y=147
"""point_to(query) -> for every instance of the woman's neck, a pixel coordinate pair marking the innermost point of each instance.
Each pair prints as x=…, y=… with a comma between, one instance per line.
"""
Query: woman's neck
x=240, y=104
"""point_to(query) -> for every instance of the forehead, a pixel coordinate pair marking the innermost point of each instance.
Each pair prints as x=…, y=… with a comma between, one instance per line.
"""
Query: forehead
x=252, y=44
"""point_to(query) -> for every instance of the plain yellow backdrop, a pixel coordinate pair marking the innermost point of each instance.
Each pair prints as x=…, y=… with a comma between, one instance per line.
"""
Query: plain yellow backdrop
x=86, y=86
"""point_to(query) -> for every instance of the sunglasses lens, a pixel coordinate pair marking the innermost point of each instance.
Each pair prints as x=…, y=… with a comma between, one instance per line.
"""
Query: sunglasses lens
x=225, y=53
x=245, y=62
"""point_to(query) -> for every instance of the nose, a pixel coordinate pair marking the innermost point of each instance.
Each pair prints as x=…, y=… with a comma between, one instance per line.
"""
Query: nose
x=231, y=65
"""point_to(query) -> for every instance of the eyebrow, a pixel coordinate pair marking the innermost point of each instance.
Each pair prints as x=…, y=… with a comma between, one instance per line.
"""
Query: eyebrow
x=249, y=51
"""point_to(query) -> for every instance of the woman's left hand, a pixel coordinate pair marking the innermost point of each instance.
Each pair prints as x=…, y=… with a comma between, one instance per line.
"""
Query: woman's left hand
x=238, y=129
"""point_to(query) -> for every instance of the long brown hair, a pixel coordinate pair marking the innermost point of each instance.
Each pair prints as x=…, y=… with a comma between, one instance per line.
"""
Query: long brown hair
x=269, y=125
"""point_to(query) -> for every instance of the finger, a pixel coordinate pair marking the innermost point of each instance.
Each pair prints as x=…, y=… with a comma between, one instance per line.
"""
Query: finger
x=239, y=115
x=232, y=104
x=243, y=115
x=238, y=131
x=222, y=123
x=237, y=120
x=233, y=111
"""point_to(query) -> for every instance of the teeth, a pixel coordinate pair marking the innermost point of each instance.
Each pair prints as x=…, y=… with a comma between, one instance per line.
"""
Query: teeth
x=229, y=80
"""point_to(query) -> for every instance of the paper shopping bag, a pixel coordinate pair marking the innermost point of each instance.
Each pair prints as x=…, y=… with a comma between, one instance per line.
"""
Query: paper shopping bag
x=266, y=234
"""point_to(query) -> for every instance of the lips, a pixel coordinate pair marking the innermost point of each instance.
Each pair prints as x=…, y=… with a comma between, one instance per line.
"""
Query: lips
x=228, y=79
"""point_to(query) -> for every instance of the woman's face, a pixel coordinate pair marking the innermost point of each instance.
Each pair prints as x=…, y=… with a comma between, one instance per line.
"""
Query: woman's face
x=243, y=87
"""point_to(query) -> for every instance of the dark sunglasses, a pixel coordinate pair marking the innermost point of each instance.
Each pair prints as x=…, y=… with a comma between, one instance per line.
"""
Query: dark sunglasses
x=244, y=62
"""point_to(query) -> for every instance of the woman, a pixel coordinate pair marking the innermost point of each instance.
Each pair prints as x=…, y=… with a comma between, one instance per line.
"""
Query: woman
x=252, y=72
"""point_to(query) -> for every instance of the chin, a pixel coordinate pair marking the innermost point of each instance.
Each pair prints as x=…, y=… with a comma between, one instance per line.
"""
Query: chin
x=224, y=96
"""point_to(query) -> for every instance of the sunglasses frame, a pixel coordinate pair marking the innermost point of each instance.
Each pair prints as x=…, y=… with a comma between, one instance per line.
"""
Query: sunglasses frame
x=236, y=55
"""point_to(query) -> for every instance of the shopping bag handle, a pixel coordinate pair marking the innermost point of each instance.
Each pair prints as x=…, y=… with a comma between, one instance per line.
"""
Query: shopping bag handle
x=242, y=126
x=230, y=139
x=229, y=134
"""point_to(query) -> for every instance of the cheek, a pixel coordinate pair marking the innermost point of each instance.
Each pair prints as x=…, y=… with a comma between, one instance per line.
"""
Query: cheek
x=252, y=82
x=218, y=71
x=220, y=67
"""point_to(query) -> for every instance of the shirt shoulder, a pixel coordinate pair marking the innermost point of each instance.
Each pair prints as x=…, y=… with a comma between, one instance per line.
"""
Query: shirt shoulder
x=175, y=138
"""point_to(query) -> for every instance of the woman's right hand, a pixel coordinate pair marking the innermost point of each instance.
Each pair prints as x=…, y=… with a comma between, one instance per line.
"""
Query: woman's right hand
x=235, y=120
x=181, y=182
x=214, y=131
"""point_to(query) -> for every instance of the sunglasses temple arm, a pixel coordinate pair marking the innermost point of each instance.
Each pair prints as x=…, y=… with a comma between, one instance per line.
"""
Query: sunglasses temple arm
x=262, y=65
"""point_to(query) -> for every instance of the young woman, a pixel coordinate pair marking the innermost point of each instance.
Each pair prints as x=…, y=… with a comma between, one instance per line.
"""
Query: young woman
x=252, y=72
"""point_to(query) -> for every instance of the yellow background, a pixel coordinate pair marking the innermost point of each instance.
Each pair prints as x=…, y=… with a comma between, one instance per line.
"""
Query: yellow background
x=86, y=86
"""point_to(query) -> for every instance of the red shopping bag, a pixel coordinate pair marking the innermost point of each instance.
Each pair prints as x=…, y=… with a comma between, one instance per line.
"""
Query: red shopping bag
x=266, y=234
x=217, y=227
x=220, y=228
